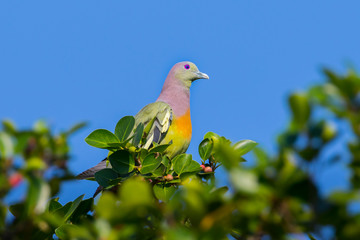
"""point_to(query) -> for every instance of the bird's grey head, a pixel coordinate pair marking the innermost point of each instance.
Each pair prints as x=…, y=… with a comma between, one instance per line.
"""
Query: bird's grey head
x=187, y=72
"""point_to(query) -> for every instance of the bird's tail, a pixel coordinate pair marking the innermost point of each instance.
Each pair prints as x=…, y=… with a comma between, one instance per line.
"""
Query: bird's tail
x=90, y=173
x=98, y=190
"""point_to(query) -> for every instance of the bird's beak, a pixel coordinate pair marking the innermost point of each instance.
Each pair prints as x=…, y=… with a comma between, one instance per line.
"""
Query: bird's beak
x=200, y=75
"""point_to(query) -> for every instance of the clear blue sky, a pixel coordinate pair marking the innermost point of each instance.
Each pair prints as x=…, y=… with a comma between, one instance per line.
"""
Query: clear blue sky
x=69, y=61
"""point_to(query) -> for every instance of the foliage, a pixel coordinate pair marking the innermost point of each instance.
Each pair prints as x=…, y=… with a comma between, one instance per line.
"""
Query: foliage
x=146, y=195
x=38, y=157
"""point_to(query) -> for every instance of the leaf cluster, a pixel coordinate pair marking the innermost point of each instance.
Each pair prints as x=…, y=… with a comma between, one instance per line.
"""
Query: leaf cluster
x=38, y=157
x=128, y=158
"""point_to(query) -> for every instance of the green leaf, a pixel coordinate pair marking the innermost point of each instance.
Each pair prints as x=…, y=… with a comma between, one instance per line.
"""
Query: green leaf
x=221, y=191
x=159, y=148
x=35, y=163
x=54, y=205
x=329, y=132
x=17, y=209
x=300, y=108
x=205, y=148
x=230, y=155
x=41, y=127
x=63, y=210
x=115, y=145
x=160, y=171
x=150, y=164
x=106, y=206
x=343, y=197
x=166, y=161
x=118, y=180
x=135, y=192
x=118, y=146
x=122, y=162
x=38, y=195
x=262, y=159
x=138, y=134
x=104, y=176
x=244, y=146
x=142, y=154
x=124, y=127
x=311, y=237
x=22, y=141
x=180, y=233
x=75, y=128
x=101, y=138
x=244, y=181
x=164, y=192
x=73, y=207
x=211, y=135
x=178, y=180
x=183, y=163
x=9, y=126
x=62, y=231
x=6, y=145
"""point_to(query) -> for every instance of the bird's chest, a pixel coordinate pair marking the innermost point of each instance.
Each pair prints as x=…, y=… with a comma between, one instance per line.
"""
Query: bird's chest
x=182, y=125
x=180, y=134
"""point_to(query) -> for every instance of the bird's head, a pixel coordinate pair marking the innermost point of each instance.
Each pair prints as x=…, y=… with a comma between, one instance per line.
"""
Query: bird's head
x=187, y=72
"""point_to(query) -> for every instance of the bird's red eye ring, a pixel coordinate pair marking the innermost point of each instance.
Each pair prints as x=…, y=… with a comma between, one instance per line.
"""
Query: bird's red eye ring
x=187, y=66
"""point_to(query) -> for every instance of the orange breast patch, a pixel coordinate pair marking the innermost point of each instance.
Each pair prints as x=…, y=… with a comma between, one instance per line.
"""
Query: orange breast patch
x=183, y=125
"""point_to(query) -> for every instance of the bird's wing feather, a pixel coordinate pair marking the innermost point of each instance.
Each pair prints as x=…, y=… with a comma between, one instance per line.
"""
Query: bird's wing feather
x=162, y=115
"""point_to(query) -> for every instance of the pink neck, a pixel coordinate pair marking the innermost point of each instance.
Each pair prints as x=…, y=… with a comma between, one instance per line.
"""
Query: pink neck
x=176, y=95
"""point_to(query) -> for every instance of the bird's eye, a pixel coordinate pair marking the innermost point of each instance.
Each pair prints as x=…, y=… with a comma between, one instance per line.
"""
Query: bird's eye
x=187, y=66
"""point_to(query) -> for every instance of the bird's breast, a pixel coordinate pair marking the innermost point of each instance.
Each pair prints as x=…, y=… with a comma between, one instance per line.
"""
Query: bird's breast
x=179, y=134
x=183, y=125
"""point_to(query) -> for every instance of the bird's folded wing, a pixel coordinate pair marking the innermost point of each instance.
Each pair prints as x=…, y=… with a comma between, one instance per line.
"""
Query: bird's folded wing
x=159, y=114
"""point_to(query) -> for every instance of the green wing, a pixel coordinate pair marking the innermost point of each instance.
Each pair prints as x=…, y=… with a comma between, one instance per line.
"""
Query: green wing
x=159, y=116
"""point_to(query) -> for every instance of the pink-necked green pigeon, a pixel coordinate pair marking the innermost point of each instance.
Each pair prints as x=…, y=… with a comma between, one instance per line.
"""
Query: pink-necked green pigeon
x=171, y=112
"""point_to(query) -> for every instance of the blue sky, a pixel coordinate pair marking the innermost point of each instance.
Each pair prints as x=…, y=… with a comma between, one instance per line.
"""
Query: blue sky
x=71, y=61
